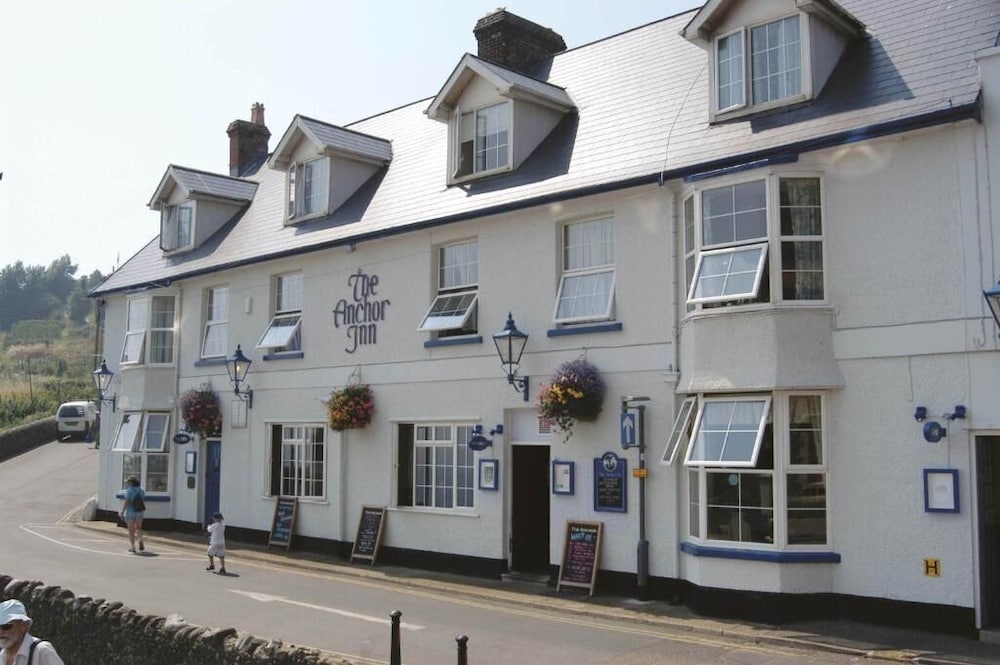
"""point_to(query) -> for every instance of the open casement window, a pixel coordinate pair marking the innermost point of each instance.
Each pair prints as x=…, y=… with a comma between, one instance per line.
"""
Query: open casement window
x=587, y=285
x=142, y=438
x=728, y=274
x=298, y=461
x=140, y=431
x=728, y=432
x=436, y=467
x=681, y=433
x=136, y=319
x=454, y=308
x=127, y=436
x=152, y=318
x=176, y=226
x=741, y=239
x=308, y=188
x=730, y=71
x=284, y=333
x=216, y=340
x=482, y=140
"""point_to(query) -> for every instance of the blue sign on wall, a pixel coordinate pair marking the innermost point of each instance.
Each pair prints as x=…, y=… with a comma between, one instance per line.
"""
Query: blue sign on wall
x=610, y=487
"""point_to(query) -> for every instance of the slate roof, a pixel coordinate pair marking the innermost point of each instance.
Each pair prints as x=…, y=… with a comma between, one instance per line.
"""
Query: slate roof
x=337, y=138
x=470, y=64
x=642, y=98
x=196, y=182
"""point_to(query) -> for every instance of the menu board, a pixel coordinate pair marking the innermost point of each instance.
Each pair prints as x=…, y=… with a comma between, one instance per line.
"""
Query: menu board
x=283, y=523
x=369, y=535
x=610, y=486
x=581, y=555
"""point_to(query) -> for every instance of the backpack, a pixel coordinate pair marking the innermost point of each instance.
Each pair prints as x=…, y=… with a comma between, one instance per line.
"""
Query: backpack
x=138, y=505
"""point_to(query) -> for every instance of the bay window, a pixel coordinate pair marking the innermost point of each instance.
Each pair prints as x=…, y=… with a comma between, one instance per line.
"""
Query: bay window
x=741, y=238
x=149, y=330
x=757, y=469
x=142, y=439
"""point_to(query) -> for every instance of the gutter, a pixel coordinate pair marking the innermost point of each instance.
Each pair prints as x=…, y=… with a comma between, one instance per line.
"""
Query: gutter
x=952, y=114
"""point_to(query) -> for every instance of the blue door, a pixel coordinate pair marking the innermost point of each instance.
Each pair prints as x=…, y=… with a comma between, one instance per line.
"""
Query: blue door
x=213, y=466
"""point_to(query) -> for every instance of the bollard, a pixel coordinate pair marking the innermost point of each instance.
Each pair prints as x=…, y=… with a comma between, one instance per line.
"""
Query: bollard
x=394, y=654
x=463, y=656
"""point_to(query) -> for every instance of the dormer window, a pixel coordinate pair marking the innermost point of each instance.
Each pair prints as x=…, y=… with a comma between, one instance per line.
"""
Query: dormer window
x=176, y=226
x=771, y=62
x=775, y=59
x=483, y=140
x=308, y=188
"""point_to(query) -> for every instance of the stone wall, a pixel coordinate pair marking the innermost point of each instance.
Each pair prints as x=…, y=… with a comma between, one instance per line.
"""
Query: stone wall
x=88, y=631
x=15, y=441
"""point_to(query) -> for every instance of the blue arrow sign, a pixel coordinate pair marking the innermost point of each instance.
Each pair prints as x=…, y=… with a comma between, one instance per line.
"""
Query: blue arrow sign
x=628, y=429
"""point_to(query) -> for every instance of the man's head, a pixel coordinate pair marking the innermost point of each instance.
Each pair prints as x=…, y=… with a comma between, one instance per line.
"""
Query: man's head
x=217, y=517
x=14, y=623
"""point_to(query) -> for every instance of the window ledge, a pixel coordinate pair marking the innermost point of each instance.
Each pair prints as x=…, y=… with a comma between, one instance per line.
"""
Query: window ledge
x=453, y=341
x=291, y=355
x=585, y=329
x=741, y=112
x=209, y=362
x=445, y=512
x=471, y=177
x=149, y=498
x=760, y=555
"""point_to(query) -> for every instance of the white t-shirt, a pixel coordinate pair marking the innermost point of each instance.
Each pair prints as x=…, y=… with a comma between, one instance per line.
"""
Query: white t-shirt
x=217, y=533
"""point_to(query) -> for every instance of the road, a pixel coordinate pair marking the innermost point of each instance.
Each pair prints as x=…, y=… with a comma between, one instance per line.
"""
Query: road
x=342, y=614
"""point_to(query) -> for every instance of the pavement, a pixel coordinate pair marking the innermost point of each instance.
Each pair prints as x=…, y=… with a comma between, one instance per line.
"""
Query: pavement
x=844, y=637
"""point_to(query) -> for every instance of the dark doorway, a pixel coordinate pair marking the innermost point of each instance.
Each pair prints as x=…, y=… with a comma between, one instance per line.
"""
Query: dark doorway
x=213, y=470
x=988, y=493
x=529, y=529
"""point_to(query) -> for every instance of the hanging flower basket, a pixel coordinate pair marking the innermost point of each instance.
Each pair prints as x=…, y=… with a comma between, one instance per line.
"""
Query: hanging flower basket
x=350, y=407
x=201, y=410
x=576, y=392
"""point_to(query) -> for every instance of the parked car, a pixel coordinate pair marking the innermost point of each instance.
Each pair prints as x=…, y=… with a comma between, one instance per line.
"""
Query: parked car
x=76, y=418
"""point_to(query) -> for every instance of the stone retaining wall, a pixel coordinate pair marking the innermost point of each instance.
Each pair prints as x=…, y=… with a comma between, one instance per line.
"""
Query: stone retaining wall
x=88, y=631
x=21, y=439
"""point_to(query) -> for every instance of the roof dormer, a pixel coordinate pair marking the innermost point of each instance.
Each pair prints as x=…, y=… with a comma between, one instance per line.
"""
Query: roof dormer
x=497, y=112
x=496, y=117
x=193, y=205
x=767, y=55
x=325, y=164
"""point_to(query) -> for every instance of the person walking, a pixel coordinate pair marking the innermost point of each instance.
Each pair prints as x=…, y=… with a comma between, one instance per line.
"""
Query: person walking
x=133, y=508
x=17, y=645
x=217, y=543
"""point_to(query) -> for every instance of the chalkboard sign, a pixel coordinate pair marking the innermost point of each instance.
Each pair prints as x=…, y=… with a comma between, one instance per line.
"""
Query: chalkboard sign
x=610, y=486
x=581, y=555
x=369, y=535
x=283, y=523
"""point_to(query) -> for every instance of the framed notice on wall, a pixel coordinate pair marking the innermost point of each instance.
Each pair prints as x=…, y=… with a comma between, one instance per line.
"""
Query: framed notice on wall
x=581, y=555
x=941, y=490
x=610, y=486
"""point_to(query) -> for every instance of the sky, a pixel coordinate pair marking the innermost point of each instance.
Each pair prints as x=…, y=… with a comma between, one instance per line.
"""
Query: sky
x=98, y=98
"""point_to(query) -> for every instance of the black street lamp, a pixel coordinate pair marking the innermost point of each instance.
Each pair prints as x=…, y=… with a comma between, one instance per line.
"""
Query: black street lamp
x=510, y=345
x=238, y=365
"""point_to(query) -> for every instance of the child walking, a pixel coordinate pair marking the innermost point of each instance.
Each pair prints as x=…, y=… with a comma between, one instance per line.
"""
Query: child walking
x=217, y=543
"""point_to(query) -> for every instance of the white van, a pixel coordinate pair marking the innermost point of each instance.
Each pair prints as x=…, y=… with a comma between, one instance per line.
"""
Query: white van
x=76, y=418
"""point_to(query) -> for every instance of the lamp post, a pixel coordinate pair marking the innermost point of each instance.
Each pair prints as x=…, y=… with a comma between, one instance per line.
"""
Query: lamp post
x=237, y=365
x=510, y=344
x=642, y=546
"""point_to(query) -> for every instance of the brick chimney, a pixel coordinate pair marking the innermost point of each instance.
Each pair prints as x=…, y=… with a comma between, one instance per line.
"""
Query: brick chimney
x=247, y=141
x=513, y=42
